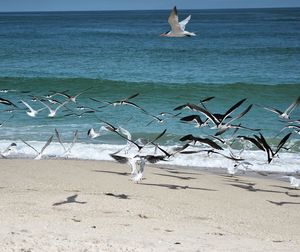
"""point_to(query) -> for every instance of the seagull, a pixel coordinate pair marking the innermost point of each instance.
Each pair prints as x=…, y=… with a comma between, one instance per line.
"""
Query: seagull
x=160, y=118
x=7, y=102
x=245, y=166
x=93, y=134
x=295, y=128
x=207, y=141
x=6, y=120
x=285, y=114
x=262, y=144
x=71, y=98
x=32, y=112
x=137, y=160
x=138, y=176
x=195, y=118
x=231, y=156
x=117, y=130
x=217, y=119
x=8, y=150
x=125, y=159
x=221, y=124
x=52, y=113
x=124, y=101
x=227, y=126
x=295, y=182
x=120, y=131
x=177, y=28
x=79, y=115
x=205, y=100
x=190, y=105
x=39, y=153
x=232, y=170
x=54, y=93
x=67, y=150
x=129, y=137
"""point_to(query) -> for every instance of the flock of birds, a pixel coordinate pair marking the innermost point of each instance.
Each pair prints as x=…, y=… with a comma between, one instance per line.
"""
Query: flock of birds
x=133, y=153
x=138, y=152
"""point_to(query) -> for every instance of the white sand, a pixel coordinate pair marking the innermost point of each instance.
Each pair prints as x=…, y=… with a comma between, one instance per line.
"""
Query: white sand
x=171, y=210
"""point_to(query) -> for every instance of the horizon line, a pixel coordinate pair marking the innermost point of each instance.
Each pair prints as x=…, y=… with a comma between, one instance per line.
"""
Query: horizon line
x=231, y=8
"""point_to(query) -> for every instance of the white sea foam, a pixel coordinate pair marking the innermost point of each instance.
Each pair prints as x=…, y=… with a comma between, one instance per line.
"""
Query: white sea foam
x=286, y=162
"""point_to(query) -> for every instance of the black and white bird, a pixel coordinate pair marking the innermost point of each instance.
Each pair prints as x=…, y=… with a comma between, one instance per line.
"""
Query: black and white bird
x=219, y=120
x=124, y=101
x=295, y=128
x=285, y=114
x=206, y=141
x=7, y=102
x=261, y=143
x=71, y=98
x=196, y=119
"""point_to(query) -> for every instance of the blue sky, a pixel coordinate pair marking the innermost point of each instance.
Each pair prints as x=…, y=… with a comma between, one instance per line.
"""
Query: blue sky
x=60, y=5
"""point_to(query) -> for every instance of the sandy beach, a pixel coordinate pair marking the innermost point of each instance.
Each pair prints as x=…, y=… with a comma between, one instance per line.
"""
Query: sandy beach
x=64, y=205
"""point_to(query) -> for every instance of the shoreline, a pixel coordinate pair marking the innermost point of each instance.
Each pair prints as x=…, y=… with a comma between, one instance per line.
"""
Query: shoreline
x=51, y=205
x=273, y=175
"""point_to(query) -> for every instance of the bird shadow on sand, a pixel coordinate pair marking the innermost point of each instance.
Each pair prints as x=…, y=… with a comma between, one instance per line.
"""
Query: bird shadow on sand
x=113, y=172
x=292, y=195
x=285, y=187
x=251, y=188
x=176, y=187
x=119, y=196
x=71, y=199
x=175, y=171
x=174, y=176
x=281, y=203
x=232, y=177
x=237, y=180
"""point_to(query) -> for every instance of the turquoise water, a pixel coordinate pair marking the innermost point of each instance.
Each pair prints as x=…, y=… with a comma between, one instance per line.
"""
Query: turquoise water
x=253, y=54
x=249, y=46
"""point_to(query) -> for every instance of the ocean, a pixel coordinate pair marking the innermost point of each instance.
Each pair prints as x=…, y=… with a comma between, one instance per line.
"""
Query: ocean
x=237, y=54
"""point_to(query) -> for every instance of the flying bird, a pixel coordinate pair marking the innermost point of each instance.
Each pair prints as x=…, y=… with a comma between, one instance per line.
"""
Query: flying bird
x=32, y=112
x=71, y=98
x=7, y=102
x=207, y=141
x=39, y=153
x=67, y=150
x=8, y=150
x=294, y=182
x=137, y=163
x=262, y=144
x=177, y=28
x=285, y=114
x=196, y=119
x=6, y=120
x=125, y=101
x=52, y=112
